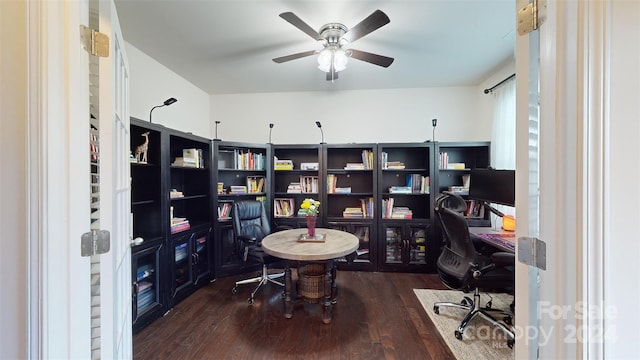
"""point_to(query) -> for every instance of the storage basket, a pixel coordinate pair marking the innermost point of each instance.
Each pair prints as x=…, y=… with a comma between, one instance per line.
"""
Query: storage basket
x=311, y=281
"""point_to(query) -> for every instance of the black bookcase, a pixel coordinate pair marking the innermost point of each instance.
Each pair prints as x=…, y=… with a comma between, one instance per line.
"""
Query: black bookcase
x=241, y=171
x=171, y=199
x=349, y=202
x=405, y=176
x=451, y=172
x=190, y=212
x=149, y=288
x=297, y=175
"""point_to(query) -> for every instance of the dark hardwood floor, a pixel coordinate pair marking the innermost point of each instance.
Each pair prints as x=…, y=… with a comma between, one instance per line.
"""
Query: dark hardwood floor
x=377, y=317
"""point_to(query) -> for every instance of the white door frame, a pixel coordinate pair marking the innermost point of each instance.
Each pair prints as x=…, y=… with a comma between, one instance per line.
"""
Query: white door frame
x=58, y=168
x=580, y=198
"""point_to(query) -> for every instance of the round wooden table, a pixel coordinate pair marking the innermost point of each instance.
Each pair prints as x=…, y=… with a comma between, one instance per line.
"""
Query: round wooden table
x=287, y=245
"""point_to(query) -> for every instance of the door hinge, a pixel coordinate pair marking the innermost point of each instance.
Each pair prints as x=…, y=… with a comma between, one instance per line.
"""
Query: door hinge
x=530, y=17
x=533, y=252
x=95, y=242
x=95, y=42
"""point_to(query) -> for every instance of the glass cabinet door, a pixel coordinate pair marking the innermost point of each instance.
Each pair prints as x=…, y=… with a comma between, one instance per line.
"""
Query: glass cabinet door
x=364, y=258
x=394, y=244
x=201, y=264
x=146, y=295
x=182, y=263
x=406, y=244
x=417, y=236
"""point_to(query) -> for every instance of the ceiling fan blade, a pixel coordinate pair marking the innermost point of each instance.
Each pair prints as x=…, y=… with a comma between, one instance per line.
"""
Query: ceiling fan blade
x=297, y=22
x=375, y=59
x=294, y=56
x=374, y=21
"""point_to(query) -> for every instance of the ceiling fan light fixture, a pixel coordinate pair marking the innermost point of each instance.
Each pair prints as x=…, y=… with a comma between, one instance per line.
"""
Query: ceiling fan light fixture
x=339, y=56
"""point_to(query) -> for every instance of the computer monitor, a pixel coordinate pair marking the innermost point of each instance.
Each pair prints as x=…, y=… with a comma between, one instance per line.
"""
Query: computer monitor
x=493, y=186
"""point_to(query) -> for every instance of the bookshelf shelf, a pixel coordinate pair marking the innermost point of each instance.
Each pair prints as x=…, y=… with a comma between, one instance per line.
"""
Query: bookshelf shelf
x=143, y=202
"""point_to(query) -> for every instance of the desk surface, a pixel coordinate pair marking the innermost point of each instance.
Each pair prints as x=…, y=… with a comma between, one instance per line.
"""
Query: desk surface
x=285, y=245
x=503, y=240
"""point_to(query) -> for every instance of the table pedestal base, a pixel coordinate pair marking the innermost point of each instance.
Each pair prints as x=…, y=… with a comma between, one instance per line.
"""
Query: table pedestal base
x=315, y=284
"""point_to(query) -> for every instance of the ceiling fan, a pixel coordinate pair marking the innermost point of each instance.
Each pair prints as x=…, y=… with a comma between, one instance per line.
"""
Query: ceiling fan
x=333, y=57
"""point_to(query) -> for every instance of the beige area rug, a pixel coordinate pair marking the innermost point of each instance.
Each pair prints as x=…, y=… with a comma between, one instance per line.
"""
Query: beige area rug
x=480, y=340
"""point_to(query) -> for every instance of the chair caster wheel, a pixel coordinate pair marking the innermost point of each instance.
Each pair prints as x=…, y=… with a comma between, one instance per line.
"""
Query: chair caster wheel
x=488, y=304
x=466, y=301
x=510, y=343
x=250, y=301
x=508, y=320
x=234, y=290
x=458, y=335
x=436, y=310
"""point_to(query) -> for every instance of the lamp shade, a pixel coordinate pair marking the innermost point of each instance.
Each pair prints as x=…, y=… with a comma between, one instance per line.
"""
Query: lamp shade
x=509, y=223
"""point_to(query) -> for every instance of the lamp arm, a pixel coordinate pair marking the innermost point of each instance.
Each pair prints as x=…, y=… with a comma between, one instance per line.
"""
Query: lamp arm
x=157, y=106
x=492, y=209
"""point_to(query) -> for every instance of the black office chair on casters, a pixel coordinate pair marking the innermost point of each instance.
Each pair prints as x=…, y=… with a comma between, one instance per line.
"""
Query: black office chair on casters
x=461, y=267
x=250, y=226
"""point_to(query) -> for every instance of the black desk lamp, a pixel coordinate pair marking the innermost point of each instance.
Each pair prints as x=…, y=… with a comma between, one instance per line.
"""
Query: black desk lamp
x=167, y=102
x=216, y=139
x=270, y=128
x=321, y=132
x=434, y=123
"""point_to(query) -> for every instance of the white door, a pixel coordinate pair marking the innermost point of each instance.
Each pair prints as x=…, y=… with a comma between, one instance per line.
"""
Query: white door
x=79, y=305
x=115, y=189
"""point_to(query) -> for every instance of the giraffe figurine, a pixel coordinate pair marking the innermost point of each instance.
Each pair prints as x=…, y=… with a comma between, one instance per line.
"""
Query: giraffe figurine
x=141, y=150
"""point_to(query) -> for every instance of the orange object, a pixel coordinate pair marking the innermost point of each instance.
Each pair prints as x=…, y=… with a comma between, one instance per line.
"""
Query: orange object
x=509, y=223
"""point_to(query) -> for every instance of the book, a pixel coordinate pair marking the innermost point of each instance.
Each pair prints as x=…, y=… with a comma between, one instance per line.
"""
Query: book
x=190, y=157
x=456, y=166
x=238, y=189
x=331, y=183
x=282, y=164
x=180, y=227
x=224, y=211
x=283, y=207
x=309, y=184
x=294, y=188
x=255, y=184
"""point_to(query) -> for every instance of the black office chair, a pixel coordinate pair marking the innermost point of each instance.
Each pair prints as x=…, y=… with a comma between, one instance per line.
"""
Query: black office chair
x=250, y=226
x=461, y=267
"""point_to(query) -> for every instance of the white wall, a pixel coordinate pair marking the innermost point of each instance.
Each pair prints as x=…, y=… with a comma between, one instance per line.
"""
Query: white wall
x=349, y=116
x=152, y=83
x=400, y=115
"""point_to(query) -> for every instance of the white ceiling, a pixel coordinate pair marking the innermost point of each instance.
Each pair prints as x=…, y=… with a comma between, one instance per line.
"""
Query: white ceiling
x=226, y=47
